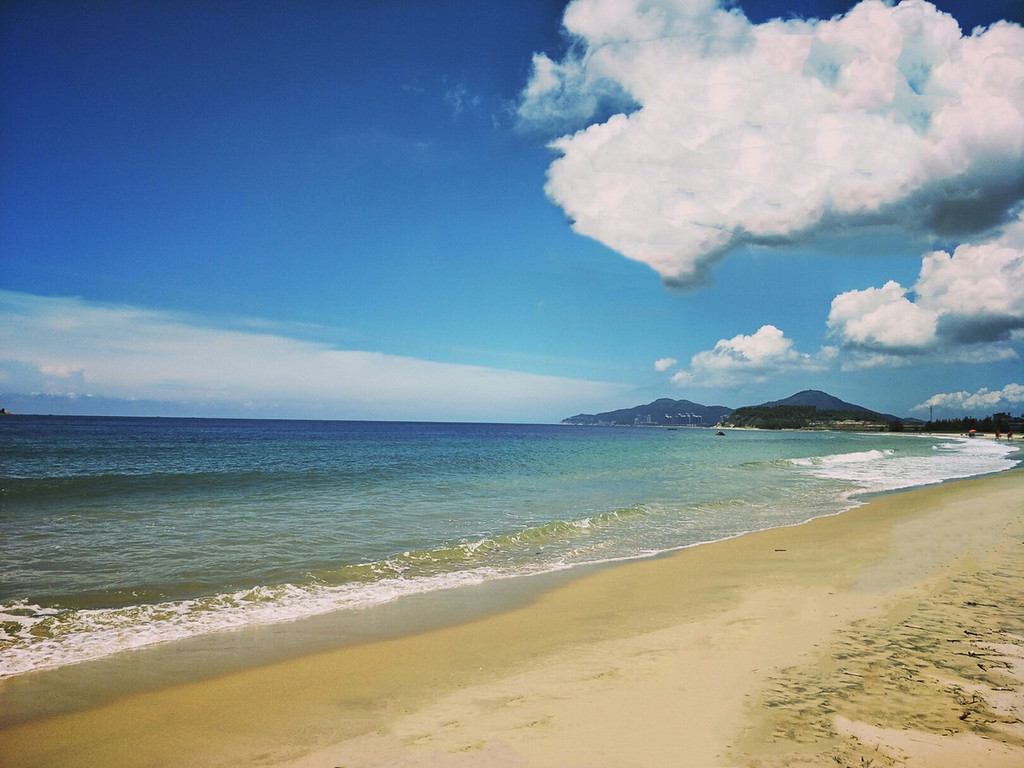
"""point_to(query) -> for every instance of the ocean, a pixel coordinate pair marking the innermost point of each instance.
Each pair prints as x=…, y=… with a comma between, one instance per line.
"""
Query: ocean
x=118, y=534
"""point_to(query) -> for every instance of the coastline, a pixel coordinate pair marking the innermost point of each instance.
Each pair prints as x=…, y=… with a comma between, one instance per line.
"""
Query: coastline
x=843, y=638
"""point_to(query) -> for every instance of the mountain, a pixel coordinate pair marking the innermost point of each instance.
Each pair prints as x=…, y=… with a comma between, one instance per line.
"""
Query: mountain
x=811, y=409
x=820, y=400
x=662, y=412
x=826, y=402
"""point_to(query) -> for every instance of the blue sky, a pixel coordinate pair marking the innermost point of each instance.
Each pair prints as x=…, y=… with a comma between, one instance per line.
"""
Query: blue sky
x=414, y=209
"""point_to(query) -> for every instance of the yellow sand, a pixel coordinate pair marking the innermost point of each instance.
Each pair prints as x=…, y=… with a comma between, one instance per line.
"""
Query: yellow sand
x=889, y=635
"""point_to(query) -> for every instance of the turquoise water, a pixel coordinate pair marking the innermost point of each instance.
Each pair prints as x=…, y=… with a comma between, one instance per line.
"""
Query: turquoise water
x=122, y=533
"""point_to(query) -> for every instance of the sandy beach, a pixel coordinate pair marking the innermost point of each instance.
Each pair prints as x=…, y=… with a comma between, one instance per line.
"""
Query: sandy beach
x=890, y=635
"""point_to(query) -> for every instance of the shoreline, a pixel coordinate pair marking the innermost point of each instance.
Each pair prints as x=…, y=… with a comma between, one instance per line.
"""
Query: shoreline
x=639, y=663
x=261, y=643
x=294, y=626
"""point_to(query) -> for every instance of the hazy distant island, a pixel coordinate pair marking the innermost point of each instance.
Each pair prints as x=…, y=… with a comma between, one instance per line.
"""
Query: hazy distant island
x=809, y=409
x=663, y=412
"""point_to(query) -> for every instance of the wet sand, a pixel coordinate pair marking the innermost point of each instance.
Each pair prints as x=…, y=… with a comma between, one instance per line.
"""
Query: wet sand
x=888, y=635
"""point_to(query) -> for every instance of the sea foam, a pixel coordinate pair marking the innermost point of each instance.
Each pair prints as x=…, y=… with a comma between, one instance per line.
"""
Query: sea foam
x=890, y=470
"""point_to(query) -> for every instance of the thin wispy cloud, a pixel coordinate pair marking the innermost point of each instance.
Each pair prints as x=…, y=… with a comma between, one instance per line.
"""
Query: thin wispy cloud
x=724, y=133
x=68, y=346
x=459, y=100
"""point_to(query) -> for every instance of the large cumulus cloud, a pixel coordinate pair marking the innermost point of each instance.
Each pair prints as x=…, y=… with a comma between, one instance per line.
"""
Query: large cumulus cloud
x=968, y=304
x=724, y=133
x=747, y=359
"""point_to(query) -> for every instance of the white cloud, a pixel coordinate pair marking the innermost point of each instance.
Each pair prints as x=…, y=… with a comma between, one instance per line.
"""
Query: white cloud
x=724, y=133
x=745, y=360
x=966, y=305
x=70, y=346
x=983, y=399
x=978, y=290
x=1013, y=393
x=881, y=318
x=459, y=100
x=664, y=363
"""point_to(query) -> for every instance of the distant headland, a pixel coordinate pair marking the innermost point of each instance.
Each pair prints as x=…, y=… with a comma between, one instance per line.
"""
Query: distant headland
x=809, y=409
x=663, y=412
